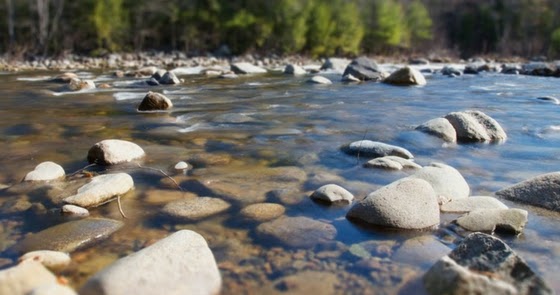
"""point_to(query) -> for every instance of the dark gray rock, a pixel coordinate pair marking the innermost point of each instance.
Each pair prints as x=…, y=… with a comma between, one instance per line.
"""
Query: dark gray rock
x=154, y=101
x=476, y=126
x=364, y=69
x=541, y=191
x=335, y=64
x=169, y=78
x=368, y=148
x=298, y=232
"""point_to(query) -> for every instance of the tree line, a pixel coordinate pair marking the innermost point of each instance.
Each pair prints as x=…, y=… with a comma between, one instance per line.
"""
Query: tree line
x=311, y=27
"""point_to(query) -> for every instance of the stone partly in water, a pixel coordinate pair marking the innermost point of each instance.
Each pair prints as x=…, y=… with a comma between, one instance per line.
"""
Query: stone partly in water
x=24, y=277
x=52, y=289
x=348, y=78
x=408, y=203
x=114, y=151
x=181, y=263
x=69, y=236
x=406, y=76
x=45, y=171
x=332, y=193
x=440, y=127
x=320, y=80
x=246, y=68
x=295, y=70
x=74, y=210
x=79, y=85
x=391, y=163
x=368, y=148
x=448, y=183
x=195, y=209
x=451, y=71
x=154, y=101
x=297, y=232
x=541, y=191
x=364, y=69
x=263, y=211
x=52, y=260
x=476, y=126
x=469, y=204
x=64, y=78
x=483, y=264
x=169, y=78
x=101, y=189
x=490, y=220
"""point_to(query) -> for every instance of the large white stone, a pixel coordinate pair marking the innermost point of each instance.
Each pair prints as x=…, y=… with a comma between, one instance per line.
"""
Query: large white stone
x=24, y=277
x=476, y=126
x=114, y=151
x=45, y=171
x=101, y=189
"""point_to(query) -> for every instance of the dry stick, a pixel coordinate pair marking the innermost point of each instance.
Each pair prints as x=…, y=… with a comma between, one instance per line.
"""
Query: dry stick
x=81, y=170
x=165, y=174
x=120, y=207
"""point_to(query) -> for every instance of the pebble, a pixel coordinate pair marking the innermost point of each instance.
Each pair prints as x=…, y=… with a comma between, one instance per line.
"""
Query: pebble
x=45, y=171
x=195, y=209
x=332, y=193
x=263, y=211
x=368, y=148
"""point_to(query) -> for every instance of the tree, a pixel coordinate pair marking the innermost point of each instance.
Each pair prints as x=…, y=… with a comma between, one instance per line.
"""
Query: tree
x=419, y=22
x=109, y=22
x=388, y=28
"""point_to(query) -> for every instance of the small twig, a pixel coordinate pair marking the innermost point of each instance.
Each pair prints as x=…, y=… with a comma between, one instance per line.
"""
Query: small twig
x=163, y=173
x=81, y=170
x=120, y=207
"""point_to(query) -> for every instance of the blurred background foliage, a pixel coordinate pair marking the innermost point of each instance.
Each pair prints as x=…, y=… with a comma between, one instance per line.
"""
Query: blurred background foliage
x=312, y=27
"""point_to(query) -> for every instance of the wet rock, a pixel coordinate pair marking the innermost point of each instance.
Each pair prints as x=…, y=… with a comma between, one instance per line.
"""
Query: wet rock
x=408, y=203
x=246, y=68
x=469, y=204
x=145, y=71
x=541, y=191
x=551, y=99
x=182, y=263
x=447, y=182
x=295, y=70
x=152, y=82
x=114, y=151
x=69, y=236
x=368, y=148
x=182, y=165
x=74, y=210
x=229, y=76
x=208, y=159
x=421, y=251
x=263, y=211
x=306, y=282
x=406, y=76
x=24, y=277
x=476, y=126
x=15, y=206
x=418, y=61
x=154, y=101
x=511, y=69
x=195, y=209
x=169, y=78
x=364, y=69
x=65, y=78
x=483, y=264
x=101, y=189
x=320, y=80
x=335, y=64
x=79, y=85
x=52, y=289
x=332, y=193
x=118, y=74
x=349, y=78
x=538, y=69
x=45, y=171
x=391, y=163
x=52, y=260
x=159, y=74
x=490, y=220
x=297, y=232
x=440, y=127
x=451, y=71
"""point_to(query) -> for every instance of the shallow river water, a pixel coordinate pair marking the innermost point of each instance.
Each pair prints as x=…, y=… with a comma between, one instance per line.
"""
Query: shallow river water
x=240, y=131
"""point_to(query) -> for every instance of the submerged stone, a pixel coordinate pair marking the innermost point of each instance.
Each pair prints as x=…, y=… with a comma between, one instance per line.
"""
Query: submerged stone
x=298, y=232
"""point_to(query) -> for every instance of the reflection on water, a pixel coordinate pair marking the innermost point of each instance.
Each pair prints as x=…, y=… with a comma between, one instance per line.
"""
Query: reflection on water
x=234, y=131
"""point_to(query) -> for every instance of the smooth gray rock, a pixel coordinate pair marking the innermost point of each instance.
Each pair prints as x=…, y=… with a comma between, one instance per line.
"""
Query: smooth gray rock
x=45, y=171
x=469, y=204
x=541, y=191
x=483, y=264
x=182, y=263
x=447, y=182
x=295, y=70
x=195, y=209
x=406, y=76
x=363, y=68
x=476, y=126
x=490, y=220
x=332, y=193
x=169, y=78
x=368, y=148
x=320, y=80
x=101, y=189
x=391, y=163
x=24, y=277
x=246, y=68
x=440, y=127
x=298, y=232
x=114, y=151
x=159, y=74
x=407, y=203
x=69, y=236
x=182, y=165
x=53, y=260
x=263, y=211
x=154, y=101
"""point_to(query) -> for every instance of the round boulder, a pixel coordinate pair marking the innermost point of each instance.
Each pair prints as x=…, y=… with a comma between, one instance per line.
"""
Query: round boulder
x=406, y=76
x=45, y=171
x=476, y=126
x=447, y=182
x=440, y=127
x=114, y=151
x=332, y=193
x=154, y=101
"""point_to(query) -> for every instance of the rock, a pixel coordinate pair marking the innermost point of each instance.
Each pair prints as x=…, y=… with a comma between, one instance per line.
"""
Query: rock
x=469, y=204
x=118, y=74
x=246, y=68
x=538, y=69
x=364, y=69
x=169, y=78
x=45, y=171
x=145, y=71
x=418, y=61
x=408, y=203
x=483, y=264
x=451, y=71
x=263, y=211
x=195, y=209
x=52, y=260
x=207, y=159
x=552, y=99
x=476, y=126
x=337, y=65
x=79, y=85
x=306, y=282
x=24, y=277
x=154, y=101
x=440, y=127
x=295, y=70
x=391, y=163
x=421, y=251
x=182, y=263
x=101, y=189
x=114, y=151
x=490, y=220
x=152, y=82
x=541, y=191
x=69, y=236
x=182, y=165
x=319, y=80
x=297, y=232
x=159, y=74
x=52, y=289
x=368, y=148
x=74, y=210
x=65, y=78
x=349, y=78
x=406, y=76
x=332, y=193
x=229, y=76
x=447, y=182
x=511, y=69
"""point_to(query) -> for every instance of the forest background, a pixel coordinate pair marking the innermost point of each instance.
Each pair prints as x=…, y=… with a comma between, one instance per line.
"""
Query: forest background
x=317, y=28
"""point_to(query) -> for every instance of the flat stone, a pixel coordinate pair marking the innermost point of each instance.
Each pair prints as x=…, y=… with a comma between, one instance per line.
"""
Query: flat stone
x=421, y=251
x=101, y=189
x=469, y=204
x=24, y=277
x=154, y=101
x=295, y=70
x=195, y=209
x=447, y=182
x=440, y=127
x=181, y=263
x=409, y=203
x=246, y=68
x=541, y=191
x=406, y=76
x=490, y=220
x=75, y=210
x=45, y=171
x=368, y=148
x=391, y=163
x=69, y=236
x=476, y=126
x=114, y=151
x=319, y=80
x=332, y=193
x=297, y=232
x=53, y=260
x=263, y=211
